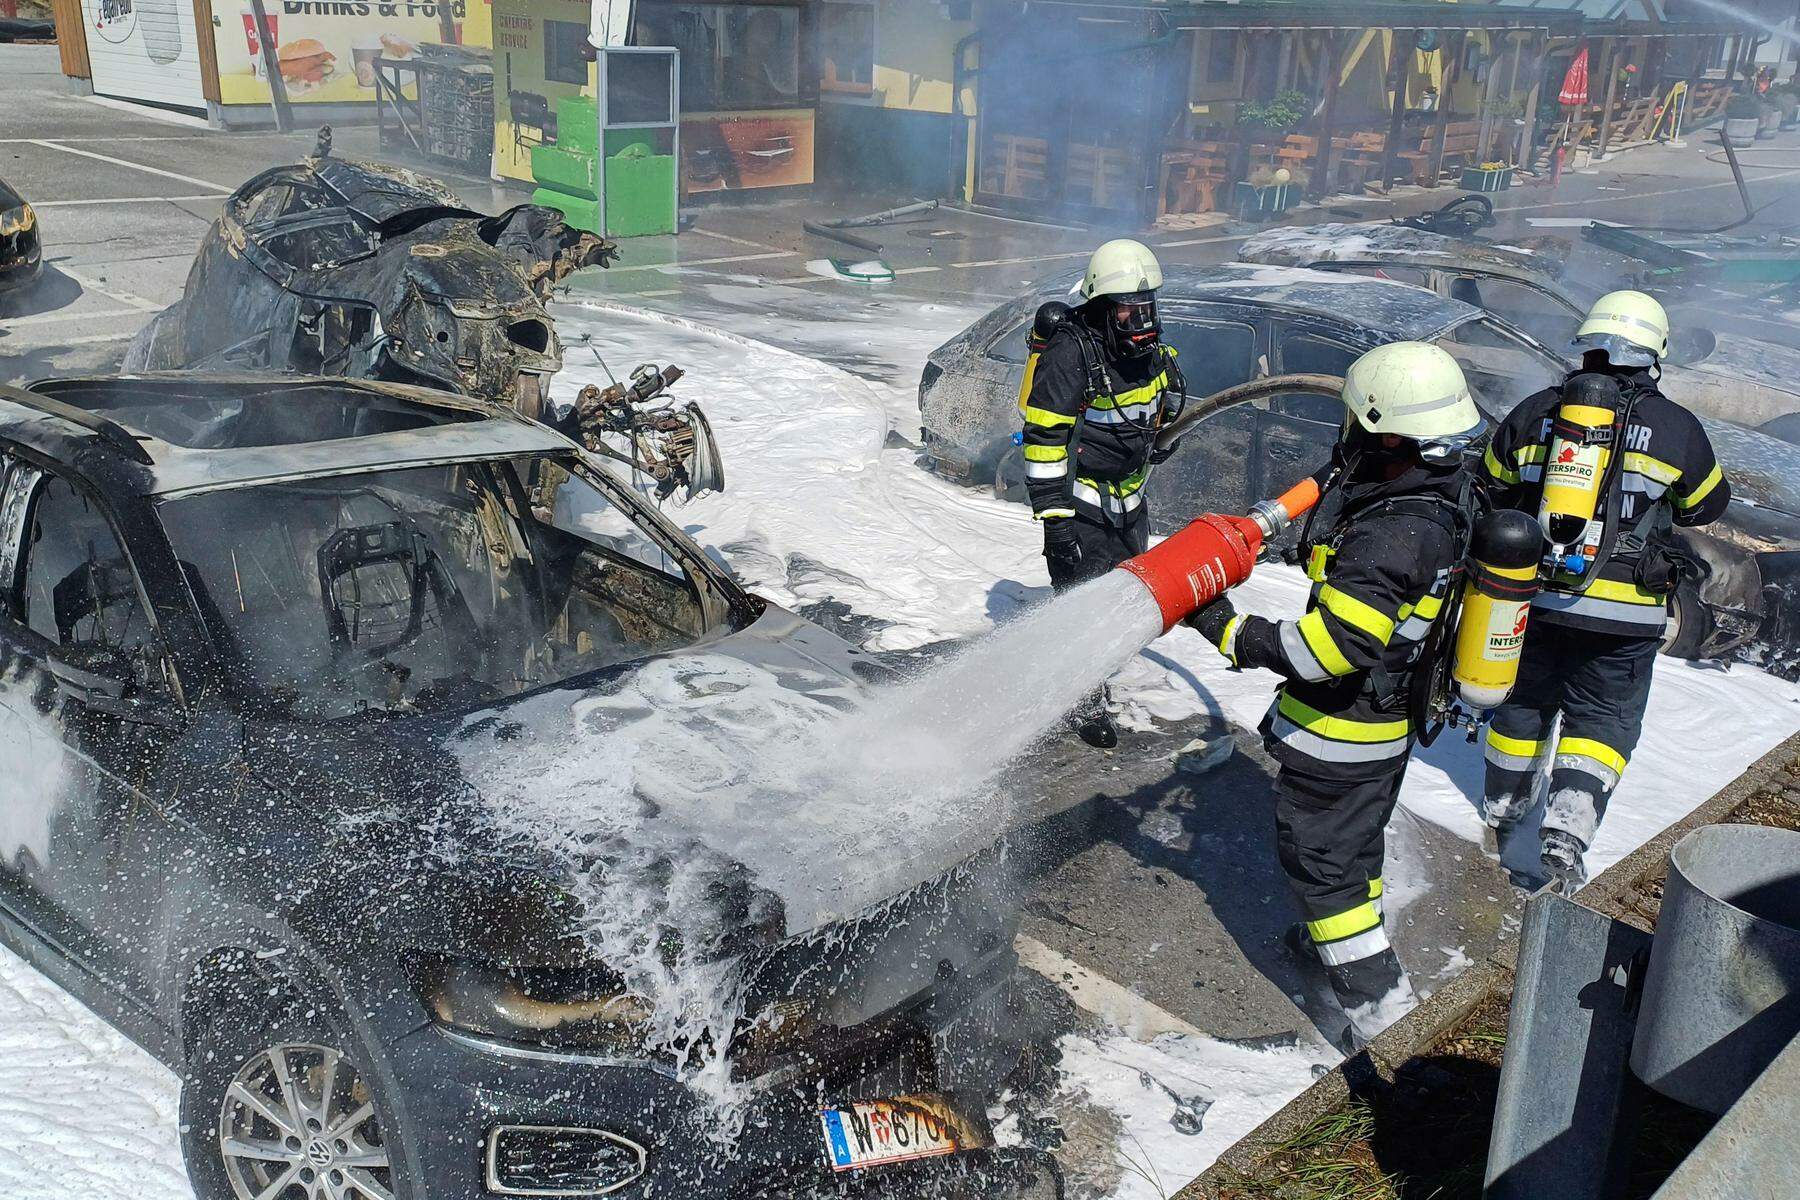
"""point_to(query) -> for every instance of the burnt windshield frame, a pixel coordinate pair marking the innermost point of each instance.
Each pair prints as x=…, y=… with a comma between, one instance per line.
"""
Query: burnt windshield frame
x=722, y=606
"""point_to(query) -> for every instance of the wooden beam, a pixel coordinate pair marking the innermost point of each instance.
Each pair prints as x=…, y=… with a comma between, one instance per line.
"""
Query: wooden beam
x=71, y=38
x=1335, y=46
x=209, y=51
x=1528, y=135
x=1612, y=88
x=1402, y=47
x=1446, y=86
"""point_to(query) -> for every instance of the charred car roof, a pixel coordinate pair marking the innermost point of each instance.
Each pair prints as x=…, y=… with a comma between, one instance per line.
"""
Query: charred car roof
x=175, y=434
x=1399, y=245
x=1398, y=311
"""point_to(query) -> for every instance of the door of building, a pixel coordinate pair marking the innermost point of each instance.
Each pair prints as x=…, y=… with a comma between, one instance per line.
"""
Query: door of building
x=145, y=50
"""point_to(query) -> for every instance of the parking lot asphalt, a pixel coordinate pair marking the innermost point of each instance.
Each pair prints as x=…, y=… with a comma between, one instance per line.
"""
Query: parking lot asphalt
x=125, y=196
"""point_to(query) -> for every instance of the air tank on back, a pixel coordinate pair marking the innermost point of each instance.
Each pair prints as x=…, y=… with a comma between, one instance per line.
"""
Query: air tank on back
x=1501, y=580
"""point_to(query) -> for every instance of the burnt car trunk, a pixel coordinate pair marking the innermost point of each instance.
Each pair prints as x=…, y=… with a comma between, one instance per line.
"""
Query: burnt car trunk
x=335, y=267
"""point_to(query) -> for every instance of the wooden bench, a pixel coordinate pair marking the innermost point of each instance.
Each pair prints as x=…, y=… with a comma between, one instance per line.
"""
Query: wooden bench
x=1462, y=142
x=1191, y=175
x=1016, y=166
x=1358, y=156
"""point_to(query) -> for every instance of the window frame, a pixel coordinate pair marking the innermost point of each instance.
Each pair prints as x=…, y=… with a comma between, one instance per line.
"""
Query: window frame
x=1202, y=87
x=834, y=87
x=172, y=693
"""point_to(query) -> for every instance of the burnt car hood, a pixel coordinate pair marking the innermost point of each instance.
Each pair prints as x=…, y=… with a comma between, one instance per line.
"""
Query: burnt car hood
x=662, y=765
x=1401, y=246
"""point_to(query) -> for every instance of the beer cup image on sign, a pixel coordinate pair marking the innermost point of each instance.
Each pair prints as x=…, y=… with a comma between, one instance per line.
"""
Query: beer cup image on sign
x=160, y=23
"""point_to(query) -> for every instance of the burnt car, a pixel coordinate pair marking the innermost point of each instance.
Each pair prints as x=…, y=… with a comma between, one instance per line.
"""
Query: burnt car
x=327, y=763
x=1735, y=378
x=338, y=267
x=21, y=246
x=1238, y=322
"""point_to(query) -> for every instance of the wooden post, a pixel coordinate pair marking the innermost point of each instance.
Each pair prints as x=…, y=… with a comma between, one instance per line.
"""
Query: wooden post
x=1403, y=45
x=446, y=22
x=1335, y=45
x=1528, y=135
x=1612, y=87
x=1447, y=85
x=1485, y=145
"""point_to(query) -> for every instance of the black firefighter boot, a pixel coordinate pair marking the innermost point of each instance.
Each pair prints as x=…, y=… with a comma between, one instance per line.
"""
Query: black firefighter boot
x=1092, y=723
x=1373, y=992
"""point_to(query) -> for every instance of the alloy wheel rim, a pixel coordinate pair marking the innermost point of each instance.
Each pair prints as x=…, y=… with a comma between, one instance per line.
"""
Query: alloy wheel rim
x=298, y=1123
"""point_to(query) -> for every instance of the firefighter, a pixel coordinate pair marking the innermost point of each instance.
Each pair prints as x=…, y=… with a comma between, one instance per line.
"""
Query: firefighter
x=1629, y=464
x=1381, y=550
x=1100, y=388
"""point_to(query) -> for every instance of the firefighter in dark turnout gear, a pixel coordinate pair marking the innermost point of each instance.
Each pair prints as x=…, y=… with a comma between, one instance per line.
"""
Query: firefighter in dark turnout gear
x=1597, y=626
x=1382, y=550
x=1102, y=386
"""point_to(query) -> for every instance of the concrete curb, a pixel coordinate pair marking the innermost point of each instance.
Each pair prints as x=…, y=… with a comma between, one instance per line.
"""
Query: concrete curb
x=1614, y=892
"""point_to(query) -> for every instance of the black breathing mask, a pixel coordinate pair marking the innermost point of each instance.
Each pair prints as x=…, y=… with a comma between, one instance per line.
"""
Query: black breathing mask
x=1131, y=322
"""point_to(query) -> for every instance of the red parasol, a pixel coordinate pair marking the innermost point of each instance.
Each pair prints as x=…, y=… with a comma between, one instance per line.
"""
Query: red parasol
x=1575, y=83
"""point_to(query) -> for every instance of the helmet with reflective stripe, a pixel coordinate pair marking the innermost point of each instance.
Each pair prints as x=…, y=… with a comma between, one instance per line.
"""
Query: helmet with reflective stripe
x=1414, y=391
x=1121, y=268
x=1630, y=328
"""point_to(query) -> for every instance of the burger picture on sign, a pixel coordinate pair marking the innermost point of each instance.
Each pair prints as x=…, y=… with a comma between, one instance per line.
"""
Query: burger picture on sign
x=305, y=62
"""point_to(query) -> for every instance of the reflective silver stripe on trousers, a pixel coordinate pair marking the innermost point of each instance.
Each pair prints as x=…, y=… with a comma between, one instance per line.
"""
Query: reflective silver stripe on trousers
x=1326, y=750
x=1119, y=504
x=1293, y=644
x=1609, y=778
x=1046, y=470
x=1650, y=617
x=1512, y=762
x=1354, y=948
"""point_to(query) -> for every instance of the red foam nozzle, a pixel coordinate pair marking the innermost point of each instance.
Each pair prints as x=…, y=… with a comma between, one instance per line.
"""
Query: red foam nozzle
x=1194, y=566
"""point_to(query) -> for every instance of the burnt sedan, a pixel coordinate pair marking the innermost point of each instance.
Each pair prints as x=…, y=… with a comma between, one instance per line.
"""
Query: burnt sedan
x=403, y=817
x=339, y=267
x=1239, y=322
x=21, y=248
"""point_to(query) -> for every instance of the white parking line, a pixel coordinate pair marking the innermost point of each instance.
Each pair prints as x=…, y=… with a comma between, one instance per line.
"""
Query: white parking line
x=47, y=144
x=736, y=241
x=122, y=200
x=1131, y=1013
x=53, y=317
x=670, y=267
x=110, y=292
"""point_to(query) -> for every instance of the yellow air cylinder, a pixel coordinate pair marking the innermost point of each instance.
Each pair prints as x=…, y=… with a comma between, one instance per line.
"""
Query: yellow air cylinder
x=1575, y=469
x=1501, y=579
x=1050, y=317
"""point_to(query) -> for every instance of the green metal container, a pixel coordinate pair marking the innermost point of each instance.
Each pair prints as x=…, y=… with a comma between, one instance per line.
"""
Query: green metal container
x=640, y=189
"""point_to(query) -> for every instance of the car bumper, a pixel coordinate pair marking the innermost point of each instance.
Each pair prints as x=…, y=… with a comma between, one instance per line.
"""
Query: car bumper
x=453, y=1092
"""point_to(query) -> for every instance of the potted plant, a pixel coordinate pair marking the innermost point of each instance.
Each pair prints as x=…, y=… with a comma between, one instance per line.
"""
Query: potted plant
x=1488, y=177
x=1743, y=117
x=1279, y=115
x=1768, y=120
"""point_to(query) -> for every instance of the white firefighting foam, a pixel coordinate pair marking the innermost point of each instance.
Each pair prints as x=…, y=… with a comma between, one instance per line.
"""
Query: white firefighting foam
x=681, y=801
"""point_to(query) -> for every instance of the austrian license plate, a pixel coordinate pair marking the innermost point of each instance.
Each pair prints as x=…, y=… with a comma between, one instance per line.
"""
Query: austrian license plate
x=871, y=1133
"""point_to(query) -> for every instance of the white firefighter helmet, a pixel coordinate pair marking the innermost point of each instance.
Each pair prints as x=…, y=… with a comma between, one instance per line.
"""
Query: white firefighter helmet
x=1629, y=327
x=1415, y=391
x=1121, y=267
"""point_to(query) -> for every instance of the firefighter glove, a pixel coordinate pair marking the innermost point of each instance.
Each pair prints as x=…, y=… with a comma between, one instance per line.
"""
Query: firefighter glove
x=1061, y=541
x=1214, y=621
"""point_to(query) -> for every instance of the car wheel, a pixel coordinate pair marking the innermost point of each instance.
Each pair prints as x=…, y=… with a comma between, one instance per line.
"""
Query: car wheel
x=1690, y=625
x=275, y=1107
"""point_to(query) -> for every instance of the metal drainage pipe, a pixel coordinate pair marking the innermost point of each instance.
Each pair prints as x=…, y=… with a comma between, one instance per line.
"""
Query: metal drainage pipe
x=1722, y=995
